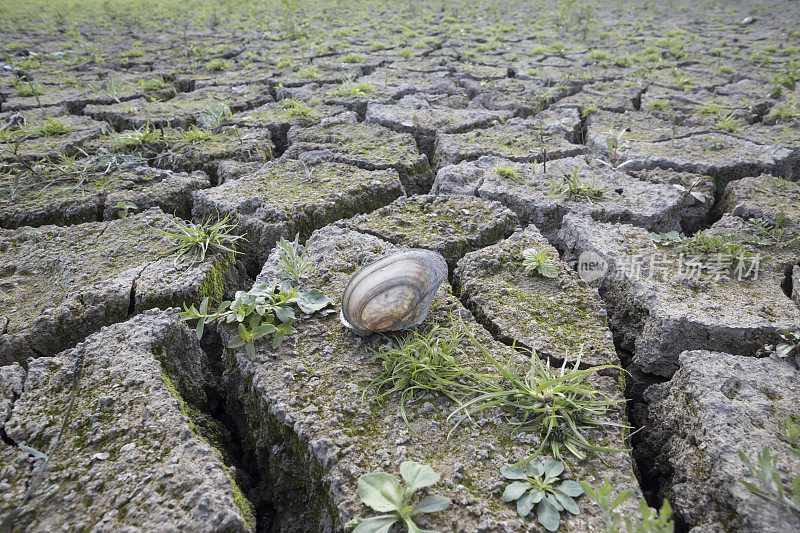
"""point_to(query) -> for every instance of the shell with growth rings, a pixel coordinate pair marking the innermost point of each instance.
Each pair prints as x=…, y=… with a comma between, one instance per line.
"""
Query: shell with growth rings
x=392, y=293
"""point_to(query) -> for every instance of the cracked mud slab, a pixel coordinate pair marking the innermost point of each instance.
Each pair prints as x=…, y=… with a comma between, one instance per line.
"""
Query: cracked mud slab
x=98, y=86
x=617, y=96
x=523, y=98
x=553, y=132
x=306, y=398
x=73, y=132
x=60, y=284
x=763, y=197
x=660, y=311
x=179, y=150
x=422, y=120
x=94, y=197
x=659, y=143
x=288, y=197
x=530, y=193
x=181, y=111
x=367, y=146
x=279, y=117
x=130, y=457
x=558, y=317
x=696, y=212
x=451, y=226
x=715, y=405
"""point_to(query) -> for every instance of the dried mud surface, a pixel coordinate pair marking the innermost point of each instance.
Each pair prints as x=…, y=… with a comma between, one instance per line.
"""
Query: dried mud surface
x=479, y=130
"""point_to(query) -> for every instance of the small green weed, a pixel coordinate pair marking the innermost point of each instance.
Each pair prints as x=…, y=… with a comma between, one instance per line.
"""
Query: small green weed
x=153, y=84
x=296, y=108
x=537, y=483
x=125, y=209
x=556, y=404
x=536, y=261
x=353, y=58
x=649, y=522
x=51, y=127
x=214, y=113
x=217, y=65
x=261, y=311
x=137, y=137
x=349, y=88
x=196, y=135
x=417, y=363
x=572, y=187
x=770, y=485
x=382, y=492
x=192, y=242
x=790, y=429
x=292, y=264
x=508, y=172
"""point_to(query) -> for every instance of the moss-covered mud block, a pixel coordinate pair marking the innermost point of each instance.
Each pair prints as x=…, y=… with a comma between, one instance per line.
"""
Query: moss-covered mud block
x=549, y=135
x=74, y=89
x=95, y=197
x=367, y=146
x=188, y=150
x=532, y=192
x=130, y=457
x=696, y=213
x=523, y=98
x=245, y=146
x=450, y=225
x=559, y=317
x=181, y=111
x=660, y=305
x=715, y=405
x=288, y=197
x=60, y=284
x=397, y=81
x=765, y=197
x=616, y=96
x=416, y=116
x=90, y=197
x=46, y=134
x=784, y=133
x=638, y=127
x=691, y=149
x=279, y=117
x=302, y=412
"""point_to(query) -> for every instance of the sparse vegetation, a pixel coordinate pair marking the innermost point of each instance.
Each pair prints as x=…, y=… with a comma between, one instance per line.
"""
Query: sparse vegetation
x=294, y=266
x=769, y=484
x=51, y=126
x=261, y=311
x=508, y=172
x=214, y=113
x=648, y=522
x=192, y=242
x=537, y=261
x=383, y=493
x=350, y=88
x=537, y=483
x=418, y=363
x=572, y=187
x=196, y=135
x=296, y=108
x=555, y=403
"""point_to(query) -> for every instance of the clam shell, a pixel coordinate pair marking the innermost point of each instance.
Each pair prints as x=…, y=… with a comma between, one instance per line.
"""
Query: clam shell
x=392, y=293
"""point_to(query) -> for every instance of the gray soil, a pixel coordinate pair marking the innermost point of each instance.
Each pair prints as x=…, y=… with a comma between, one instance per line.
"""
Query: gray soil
x=651, y=139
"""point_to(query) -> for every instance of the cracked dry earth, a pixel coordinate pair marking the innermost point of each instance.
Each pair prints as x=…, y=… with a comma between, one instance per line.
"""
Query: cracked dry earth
x=365, y=129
